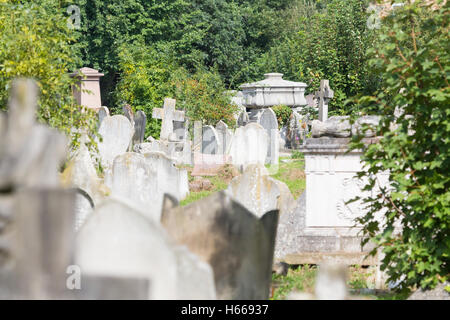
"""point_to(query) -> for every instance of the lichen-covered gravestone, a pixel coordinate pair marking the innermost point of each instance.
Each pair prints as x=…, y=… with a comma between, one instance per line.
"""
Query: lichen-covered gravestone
x=236, y=243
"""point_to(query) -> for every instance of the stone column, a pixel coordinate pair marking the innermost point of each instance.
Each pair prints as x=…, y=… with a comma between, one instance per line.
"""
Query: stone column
x=91, y=82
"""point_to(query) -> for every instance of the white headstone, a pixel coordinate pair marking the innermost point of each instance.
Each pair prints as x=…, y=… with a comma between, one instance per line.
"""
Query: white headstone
x=249, y=145
x=225, y=136
x=116, y=133
x=134, y=182
x=168, y=115
x=119, y=241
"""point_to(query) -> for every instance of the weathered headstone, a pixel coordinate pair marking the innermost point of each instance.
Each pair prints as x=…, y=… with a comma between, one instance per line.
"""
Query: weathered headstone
x=103, y=112
x=118, y=241
x=268, y=120
x=255, y=190
x=83, y=207
x=81, y=173
x=323, y=96
x=211, y=143
x=198, y=132
x=43, y=242
x=116, y=132
x=168, y=115
x=225, y=136
x=249, y=145
x=237, y=244
x=128, y=112
x=30, y=153
x=140, y=121
x=169, y=179
x=243, y=119
x=134, y=182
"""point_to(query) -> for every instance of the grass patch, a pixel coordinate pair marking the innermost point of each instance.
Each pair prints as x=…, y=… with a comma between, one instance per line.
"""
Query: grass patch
x=302, y=278
x=293, y=174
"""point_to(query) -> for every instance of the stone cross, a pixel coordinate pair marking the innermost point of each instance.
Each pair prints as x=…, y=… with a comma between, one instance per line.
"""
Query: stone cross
x=168, y=115
x=324, y=95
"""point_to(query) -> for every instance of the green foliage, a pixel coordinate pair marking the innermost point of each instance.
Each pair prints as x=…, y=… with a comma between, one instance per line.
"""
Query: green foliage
x=144, y=82
x=203, y=97
x=150, y=75
x=413, y=59
x=329, y=42
x=283, y=114
x=36, y=42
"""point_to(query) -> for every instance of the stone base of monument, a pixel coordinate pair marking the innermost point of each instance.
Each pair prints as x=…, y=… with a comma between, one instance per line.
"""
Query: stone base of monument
x=322, y=227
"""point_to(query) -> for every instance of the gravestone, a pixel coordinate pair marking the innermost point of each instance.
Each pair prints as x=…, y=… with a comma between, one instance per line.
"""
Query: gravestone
x=81, y=173
x=118, y=241
x=116, y=132
x=323, y=96
x=181, y=129
x=198, y=133
x=128, y=112
x=43, y=240
x=168, y=115
x=140, y=121
x=237, y=244
x=297, y=130
x=211, y=143
x=243, y=119
x=268, y=120
x=169, y=179
x=255, y=190
x=83, y=207
x=30, y=153
x=134, y=182
x=249, y=146
x=103, y=112
x=225, y=136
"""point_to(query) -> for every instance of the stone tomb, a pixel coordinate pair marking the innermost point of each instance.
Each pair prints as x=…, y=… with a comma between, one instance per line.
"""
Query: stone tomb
x=323, y=229
x=237, y=244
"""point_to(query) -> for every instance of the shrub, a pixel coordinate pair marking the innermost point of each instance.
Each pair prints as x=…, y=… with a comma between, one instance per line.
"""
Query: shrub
x=35, y=42
x=413, y=60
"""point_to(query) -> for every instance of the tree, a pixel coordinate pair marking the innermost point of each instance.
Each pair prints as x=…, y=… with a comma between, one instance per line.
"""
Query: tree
x=36, y=42
x=412, y=58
